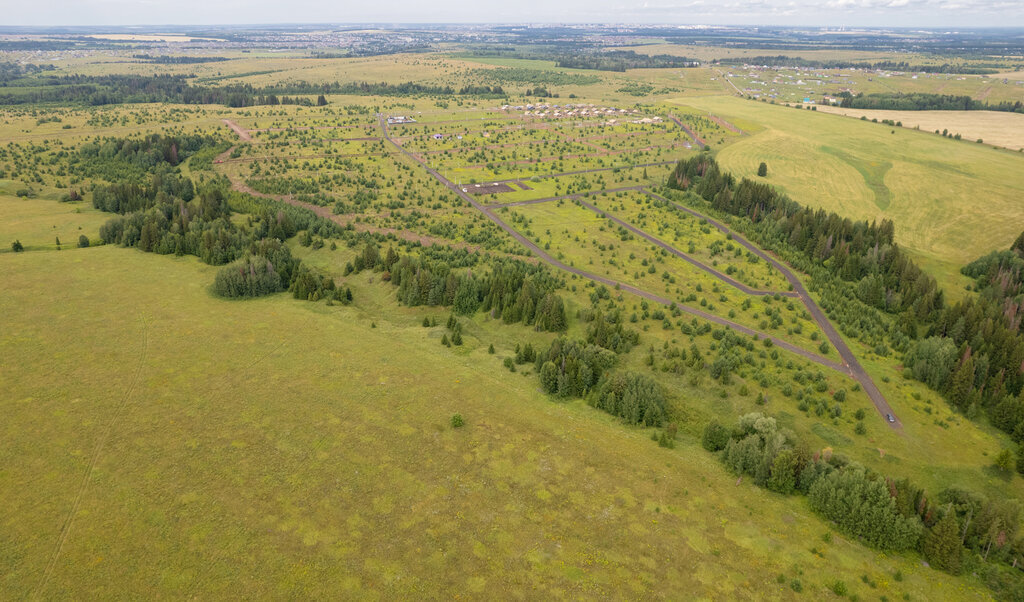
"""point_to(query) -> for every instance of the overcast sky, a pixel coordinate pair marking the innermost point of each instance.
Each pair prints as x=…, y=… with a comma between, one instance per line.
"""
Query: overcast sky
x=894, y=13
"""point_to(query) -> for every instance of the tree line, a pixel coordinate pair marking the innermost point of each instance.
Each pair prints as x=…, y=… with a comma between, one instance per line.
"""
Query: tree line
x=169, y=214
x=782, y=60
x=971, y=352
x=922, y=101
x=956, y=529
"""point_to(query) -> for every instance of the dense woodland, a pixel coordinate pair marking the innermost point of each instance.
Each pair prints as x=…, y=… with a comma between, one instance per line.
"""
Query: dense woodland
x=25, y=86
x=782, y=60
x=919, y=101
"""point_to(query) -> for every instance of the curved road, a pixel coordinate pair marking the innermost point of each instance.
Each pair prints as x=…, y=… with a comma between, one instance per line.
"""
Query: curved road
x=850, y=365
x=854, y=367
x=544, y=256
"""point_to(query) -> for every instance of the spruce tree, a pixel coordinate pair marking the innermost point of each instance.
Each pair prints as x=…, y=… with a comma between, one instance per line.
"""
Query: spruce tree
x=941, y=545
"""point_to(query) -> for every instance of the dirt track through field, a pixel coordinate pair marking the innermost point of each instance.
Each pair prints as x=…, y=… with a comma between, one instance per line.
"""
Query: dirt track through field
x=348, y=219
x=243, y=134
x=850, y=365
x=544, y=256
x=94, y=460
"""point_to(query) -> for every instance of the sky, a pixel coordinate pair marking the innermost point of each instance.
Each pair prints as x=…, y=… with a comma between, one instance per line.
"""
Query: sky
x=884, y=13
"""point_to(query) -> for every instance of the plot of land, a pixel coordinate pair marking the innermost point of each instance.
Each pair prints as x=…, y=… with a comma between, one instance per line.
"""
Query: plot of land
x=998, y=128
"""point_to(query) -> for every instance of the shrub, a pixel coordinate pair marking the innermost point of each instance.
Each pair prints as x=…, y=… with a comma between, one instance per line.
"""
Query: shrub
x=457, y=421
x=715, y=437
x=83, y=241
x=17, y=247
x=839, y=588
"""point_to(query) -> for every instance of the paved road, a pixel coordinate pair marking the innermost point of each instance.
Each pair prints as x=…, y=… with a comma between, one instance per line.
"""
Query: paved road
x=544, y=256
x=853, y=366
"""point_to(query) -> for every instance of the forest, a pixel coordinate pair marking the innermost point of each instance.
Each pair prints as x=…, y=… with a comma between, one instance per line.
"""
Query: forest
x=918, y=101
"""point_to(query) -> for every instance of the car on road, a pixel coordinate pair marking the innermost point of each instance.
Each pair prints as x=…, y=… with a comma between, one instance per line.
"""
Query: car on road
x=890, y=418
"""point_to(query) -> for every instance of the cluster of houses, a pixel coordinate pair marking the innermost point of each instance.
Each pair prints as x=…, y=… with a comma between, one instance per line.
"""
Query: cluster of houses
x=400, y=119
x=549, y=111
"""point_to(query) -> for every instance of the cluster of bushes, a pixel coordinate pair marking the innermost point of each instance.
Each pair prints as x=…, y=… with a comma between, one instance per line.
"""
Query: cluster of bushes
x=268, y=267
x=884, y=513
x=605, y=329
x=513, y=290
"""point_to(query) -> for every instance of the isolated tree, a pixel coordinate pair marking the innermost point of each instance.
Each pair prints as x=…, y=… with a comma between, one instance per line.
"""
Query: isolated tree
x=1005, y=460
x=17, y=247
x=762, y=169
x=941, y=545
x=83, y=241
x=321, y=101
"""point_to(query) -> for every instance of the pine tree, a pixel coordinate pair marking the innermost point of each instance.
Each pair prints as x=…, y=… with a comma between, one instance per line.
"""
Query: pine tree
x=941, y=545
x=962, y=383
x=762, y=169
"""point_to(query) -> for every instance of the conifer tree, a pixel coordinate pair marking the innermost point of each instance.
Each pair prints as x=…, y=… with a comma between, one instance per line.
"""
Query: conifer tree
x=941, y=545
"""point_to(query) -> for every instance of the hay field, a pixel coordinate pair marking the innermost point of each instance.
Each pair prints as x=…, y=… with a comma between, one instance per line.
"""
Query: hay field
x=941, y=193
x=997, y=128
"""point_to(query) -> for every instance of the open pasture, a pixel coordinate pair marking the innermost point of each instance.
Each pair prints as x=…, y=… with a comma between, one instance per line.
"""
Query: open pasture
x=997, y=128
x=344, y=476
x=865, y=170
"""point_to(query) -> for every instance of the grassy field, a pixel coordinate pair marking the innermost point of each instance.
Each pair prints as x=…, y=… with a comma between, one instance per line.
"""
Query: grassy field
x=38, y=223
x=163, y=443
x=276, y=448
x=867, y=170
x=994, y=127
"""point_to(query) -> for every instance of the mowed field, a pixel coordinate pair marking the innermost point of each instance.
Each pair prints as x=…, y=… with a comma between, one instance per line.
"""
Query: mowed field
x=994, y=127
x=952, y=201
x=275, y=448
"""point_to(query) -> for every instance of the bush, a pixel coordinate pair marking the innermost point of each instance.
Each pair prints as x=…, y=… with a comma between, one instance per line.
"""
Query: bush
x=715, y=437
x=83, y=241
x=17, y=247
x=762, y=169
x=457, y=421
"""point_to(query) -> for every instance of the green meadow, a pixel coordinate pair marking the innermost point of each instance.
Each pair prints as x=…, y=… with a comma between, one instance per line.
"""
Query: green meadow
x=273, y=448
x=951, y=200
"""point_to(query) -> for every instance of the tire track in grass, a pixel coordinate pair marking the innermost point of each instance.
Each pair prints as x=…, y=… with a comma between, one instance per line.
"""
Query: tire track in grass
x=93, y=462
